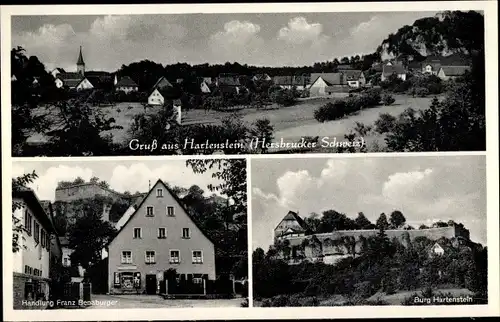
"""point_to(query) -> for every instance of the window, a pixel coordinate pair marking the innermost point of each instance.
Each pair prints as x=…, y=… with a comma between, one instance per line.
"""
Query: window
x=137, y=233
x=185, y=233
x=197, y=278
x=150, y=257
x=35, y=272
x=26, y=269
x=159, y=193
x=28, y=222
x=162, y=233
x=197, y=257
x=170, y=211
x=149, y=211
x=66, y=261
x=36, y=236
x=44, y=238
x=126, y=257
x=175, y=257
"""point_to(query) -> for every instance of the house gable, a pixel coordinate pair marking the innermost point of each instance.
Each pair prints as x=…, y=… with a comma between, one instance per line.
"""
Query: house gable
x=160, y=218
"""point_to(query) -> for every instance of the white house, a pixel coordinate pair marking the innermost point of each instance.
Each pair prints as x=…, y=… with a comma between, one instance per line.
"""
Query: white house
x=156, y=97
x=261, y=77
x=327, y=84
x=437, y=249
x=126, y=85
x=393, y=69
x=354, y=77
x=57, y=71
x=204, y=88
x=73, y=81
x=31, y=263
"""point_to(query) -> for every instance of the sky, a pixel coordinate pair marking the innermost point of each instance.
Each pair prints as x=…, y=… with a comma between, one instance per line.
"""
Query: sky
x=122, y=176
x=424, y=189
x=262, y=39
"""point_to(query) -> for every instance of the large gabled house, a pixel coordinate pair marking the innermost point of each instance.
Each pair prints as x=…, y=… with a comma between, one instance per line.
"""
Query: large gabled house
x=289, y=82
x=126, y=85
x=159, y=235
x=354, y=77
x=452, y=72
x=74, y=81
x=262, y=78
x=159, y=93
x=391, y=69
x=323, y=84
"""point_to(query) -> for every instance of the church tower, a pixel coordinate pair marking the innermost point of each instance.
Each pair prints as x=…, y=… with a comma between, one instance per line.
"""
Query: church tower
x=80, y=64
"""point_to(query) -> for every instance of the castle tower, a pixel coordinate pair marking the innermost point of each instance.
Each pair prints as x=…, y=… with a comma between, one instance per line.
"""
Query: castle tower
x=80, y=64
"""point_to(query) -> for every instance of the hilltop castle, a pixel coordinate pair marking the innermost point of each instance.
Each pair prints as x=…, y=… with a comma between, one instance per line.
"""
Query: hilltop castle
x=296, y=242
x=68, y=194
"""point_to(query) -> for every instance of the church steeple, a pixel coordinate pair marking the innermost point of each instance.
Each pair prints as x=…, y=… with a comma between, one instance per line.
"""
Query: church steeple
x=80, y=64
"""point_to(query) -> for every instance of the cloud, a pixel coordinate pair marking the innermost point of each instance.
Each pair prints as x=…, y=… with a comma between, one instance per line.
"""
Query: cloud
x=300, y=32
x=137, y=177
x=109, y=42
x=46, y=183
x=239, y=41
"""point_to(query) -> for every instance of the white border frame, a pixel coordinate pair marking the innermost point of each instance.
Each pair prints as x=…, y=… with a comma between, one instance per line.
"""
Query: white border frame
x=491, y=72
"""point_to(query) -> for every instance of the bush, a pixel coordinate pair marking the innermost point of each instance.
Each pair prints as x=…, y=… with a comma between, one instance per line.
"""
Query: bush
x=363, y=289
x=283, y=97
x=330, y=111
x=266, y=303
x=385, y=123
x=388, y=100
x=421, y=91
x=244, y=303
x=372, y=97
x=280, y=301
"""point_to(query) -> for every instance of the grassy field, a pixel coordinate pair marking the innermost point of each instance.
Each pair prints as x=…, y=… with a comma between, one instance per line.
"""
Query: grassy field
x=290, y=123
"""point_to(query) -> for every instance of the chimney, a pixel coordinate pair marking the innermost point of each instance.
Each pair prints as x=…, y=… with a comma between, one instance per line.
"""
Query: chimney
x=149, y=185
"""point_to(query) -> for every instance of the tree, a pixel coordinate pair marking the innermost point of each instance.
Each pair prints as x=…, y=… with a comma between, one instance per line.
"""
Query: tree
x=362, y=222
x=397, y=219
x=382, y=222
x=89, y=235
x=233, y=177
x=262, y=130
x=18, y=184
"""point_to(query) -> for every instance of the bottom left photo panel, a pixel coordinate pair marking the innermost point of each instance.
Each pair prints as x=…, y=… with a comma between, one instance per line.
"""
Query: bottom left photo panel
x=112, y=234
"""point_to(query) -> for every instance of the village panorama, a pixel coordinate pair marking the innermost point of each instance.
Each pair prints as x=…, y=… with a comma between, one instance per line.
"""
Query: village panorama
x=93, y=246
x=401, y=96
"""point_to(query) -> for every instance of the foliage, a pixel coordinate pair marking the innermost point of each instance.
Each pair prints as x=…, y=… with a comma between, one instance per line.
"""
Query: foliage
x=342, y=107
x=382, y=222
x=456, y=123
x=388, y=100
x=283, y=97
x=397, y=219
x=18, y=184
x=262, y=130
x=89, y=234
x=385, y=123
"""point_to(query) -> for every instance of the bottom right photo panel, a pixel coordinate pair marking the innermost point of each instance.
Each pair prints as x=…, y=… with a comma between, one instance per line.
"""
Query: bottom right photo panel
x=344, y=231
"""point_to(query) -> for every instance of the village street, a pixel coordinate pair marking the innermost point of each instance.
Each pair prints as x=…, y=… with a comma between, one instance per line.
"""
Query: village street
x=102, y=301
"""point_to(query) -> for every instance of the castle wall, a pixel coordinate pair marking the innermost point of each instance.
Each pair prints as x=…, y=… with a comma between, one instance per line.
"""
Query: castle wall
x=83, y=191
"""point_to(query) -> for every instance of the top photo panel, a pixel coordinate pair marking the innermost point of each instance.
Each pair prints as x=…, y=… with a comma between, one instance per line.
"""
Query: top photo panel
x=247, y=83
